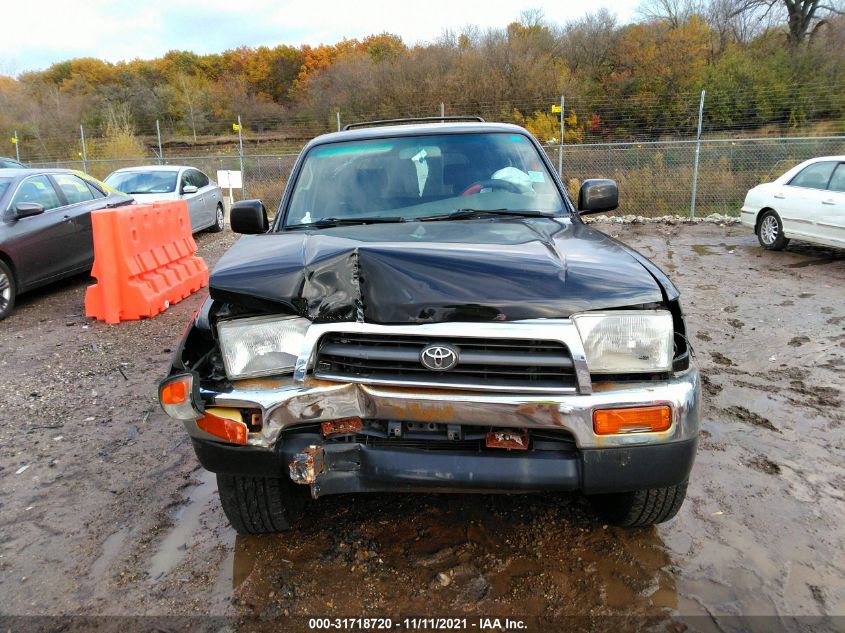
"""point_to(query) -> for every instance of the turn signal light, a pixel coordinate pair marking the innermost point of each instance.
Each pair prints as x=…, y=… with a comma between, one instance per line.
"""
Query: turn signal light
x=176, y=392
x=227, y=424
x=177, y=397
x=632, y=420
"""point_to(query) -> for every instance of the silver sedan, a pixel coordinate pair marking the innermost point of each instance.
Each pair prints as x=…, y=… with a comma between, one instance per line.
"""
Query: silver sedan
x=152, y=183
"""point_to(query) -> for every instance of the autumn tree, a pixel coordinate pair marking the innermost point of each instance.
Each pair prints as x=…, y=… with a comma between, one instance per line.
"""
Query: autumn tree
x=803, y=17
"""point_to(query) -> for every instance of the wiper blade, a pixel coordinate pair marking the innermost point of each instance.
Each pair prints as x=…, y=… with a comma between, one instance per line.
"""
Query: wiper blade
x=463, y=214
x=329, y=222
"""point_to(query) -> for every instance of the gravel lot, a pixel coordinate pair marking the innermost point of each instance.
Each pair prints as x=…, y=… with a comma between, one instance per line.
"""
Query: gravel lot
x=104, y=511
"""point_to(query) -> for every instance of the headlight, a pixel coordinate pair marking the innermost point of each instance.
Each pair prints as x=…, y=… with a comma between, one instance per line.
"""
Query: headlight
x=260, y=346
x=626, y=341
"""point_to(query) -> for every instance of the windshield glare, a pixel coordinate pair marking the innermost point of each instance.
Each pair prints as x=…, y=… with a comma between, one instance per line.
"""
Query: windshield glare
x=420, y=176
x=143, y=181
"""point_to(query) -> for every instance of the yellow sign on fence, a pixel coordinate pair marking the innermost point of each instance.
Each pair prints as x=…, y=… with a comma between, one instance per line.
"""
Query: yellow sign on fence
x=556, y=109
x=236, y=127
x=14, y=140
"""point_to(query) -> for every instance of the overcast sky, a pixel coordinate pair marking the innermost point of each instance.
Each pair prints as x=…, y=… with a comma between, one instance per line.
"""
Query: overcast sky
x=47, y=31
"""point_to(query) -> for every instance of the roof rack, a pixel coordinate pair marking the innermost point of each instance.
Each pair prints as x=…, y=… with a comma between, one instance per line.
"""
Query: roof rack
x=424, y=119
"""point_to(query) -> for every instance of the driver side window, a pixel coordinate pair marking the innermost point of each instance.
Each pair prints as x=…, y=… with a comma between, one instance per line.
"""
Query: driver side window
x=38, y=190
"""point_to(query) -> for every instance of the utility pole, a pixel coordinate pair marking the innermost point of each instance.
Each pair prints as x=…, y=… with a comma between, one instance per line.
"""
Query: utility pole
x=84, y=153
x=241, y=155
x=17, y=143
x=560, y=147
x=158, y=134
x=442, y=110
x=697, y=154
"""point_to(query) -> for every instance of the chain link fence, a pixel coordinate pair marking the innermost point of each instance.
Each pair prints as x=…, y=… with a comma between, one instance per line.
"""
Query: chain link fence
x=655, y=178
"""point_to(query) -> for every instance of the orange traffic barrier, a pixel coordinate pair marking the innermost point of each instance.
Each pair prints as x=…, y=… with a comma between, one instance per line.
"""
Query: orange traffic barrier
x=144, y=260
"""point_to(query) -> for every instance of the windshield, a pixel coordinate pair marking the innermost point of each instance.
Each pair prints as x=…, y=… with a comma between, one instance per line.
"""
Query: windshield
x=143, y=181
x=410, y=177
x=4, y=185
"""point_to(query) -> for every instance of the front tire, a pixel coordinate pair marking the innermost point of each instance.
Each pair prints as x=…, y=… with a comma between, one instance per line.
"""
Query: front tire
x=640, y=508
x=219, y=220
x=770, y=232
x=8, y=290
x=260, y=505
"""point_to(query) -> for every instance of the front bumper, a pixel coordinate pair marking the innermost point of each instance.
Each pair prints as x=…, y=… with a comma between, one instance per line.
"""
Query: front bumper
x=350, y=468
x=595, y=464
x=285, y=403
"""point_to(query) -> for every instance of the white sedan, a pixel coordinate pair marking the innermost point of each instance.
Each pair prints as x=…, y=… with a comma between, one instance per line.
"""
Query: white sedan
x=807, y=203
x=152, y=183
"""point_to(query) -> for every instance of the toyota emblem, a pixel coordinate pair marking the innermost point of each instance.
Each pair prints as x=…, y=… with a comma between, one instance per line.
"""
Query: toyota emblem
x=439, y=357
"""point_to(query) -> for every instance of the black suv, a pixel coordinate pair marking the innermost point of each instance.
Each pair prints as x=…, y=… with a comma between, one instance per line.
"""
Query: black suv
x=428, y=312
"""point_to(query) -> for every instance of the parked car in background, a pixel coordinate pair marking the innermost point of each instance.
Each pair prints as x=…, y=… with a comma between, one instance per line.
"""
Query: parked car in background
x=151, y=183
x=45, y=227
x=10, y=163
x=807, y=203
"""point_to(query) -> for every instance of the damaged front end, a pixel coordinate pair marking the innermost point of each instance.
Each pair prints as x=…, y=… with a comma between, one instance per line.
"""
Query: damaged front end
x=357, y=411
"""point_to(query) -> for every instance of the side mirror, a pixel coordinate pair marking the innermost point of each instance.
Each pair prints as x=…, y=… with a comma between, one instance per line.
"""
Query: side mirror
x=28, y=209
x=189, y=189
x=249, y=217
x=597, y=195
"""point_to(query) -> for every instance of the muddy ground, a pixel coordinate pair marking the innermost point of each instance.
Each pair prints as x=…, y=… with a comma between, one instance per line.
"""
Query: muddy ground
x=103, y=510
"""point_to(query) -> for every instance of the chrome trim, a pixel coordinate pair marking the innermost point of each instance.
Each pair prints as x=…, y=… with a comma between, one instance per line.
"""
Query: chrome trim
x=796, y=220
x=286, y=402
x=445, y=385
x=559, y=330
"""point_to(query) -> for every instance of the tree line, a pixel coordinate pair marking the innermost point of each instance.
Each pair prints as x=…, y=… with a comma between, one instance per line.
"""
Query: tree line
x=775, y=63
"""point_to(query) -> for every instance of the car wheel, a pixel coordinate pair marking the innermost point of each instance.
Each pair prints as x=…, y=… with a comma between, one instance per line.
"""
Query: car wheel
x=260, y=505
x=7, y=290
x=640, y=508
x=219, y=220
x=770, y=232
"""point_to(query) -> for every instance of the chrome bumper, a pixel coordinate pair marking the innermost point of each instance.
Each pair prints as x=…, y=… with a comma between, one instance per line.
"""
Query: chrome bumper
x=285, y=402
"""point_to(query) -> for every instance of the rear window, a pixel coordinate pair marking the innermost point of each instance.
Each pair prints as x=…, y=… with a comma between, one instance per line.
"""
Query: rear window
x=74, y=188
x=815, y=176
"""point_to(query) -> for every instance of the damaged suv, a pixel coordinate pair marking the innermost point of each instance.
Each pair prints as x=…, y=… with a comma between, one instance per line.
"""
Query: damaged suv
x=428, y=312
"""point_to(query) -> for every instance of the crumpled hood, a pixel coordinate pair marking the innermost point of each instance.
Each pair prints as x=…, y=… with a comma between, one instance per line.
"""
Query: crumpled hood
x=474, y=270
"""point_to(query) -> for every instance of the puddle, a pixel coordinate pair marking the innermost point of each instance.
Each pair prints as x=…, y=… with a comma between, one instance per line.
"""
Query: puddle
x=113, y=545
x=706, y=249
x=243, y=559
x=186, y=522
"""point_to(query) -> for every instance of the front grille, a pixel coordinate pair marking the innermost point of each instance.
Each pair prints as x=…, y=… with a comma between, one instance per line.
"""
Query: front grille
x=484, y=363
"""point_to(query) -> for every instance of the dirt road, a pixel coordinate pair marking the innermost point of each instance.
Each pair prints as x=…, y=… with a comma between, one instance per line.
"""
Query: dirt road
x=105, y=512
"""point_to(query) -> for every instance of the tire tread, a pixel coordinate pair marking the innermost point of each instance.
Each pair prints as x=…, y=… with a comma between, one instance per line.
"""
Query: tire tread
x=641, y=508
x=259, y=505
